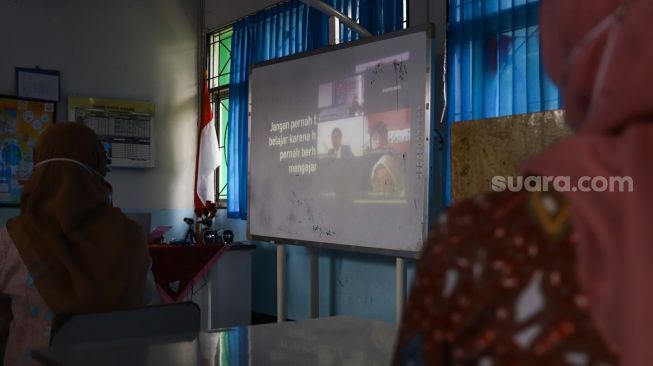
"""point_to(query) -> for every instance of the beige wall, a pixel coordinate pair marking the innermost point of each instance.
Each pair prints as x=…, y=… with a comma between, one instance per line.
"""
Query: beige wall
x=140, y=50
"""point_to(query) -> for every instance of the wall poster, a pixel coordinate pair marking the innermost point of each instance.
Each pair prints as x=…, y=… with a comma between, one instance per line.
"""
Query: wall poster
x=21, y=122
x=124, y=127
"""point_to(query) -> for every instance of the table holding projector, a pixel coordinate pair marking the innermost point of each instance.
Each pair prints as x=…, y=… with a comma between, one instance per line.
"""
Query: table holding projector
x=214, y=272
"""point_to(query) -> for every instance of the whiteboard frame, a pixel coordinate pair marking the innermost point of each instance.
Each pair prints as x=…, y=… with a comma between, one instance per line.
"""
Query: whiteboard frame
x=429, y=29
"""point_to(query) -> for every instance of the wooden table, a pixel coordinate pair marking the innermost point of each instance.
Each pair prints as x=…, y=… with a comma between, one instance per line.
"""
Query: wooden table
x=325, y=341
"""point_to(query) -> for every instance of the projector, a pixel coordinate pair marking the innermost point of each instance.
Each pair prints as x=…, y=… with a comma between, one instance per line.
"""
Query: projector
x=218, y=237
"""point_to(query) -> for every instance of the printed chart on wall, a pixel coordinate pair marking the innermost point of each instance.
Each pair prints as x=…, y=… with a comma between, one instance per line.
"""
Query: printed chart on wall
x=124, y=127
x=21, y=123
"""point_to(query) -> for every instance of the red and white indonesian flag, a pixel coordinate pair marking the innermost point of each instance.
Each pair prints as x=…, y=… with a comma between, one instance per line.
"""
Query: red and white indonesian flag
x=208, y=154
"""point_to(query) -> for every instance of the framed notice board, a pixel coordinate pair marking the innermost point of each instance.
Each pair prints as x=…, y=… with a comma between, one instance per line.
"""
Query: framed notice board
x=125, y=128
x=38, y=83
x=21, y=122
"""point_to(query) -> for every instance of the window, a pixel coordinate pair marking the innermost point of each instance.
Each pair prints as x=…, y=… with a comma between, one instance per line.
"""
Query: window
x=219, y=47
x=494, y=62
x=390, y=15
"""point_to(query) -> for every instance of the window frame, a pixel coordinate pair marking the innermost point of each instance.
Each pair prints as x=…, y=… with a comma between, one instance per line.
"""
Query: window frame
x=216, y=41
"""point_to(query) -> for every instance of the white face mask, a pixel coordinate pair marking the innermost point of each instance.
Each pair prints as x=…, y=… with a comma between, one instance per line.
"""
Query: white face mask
x=79, y=163
x=610, y=24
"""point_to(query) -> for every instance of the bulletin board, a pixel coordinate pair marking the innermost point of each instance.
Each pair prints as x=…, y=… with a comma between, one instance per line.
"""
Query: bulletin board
x=499, y=147
x=125, y=128
x=21, y=122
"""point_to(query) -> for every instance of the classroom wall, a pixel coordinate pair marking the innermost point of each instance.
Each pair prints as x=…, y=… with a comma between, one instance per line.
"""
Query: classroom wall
x=350, y=283
x=142, y=50
x=147, y=50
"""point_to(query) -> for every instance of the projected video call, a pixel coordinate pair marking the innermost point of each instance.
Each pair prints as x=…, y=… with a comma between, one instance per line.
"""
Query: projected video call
x=339, y=145
x=359, y=134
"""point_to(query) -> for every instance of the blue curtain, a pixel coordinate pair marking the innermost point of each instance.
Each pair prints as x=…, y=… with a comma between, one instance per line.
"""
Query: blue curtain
x=494, y=63
x=377, y=16
x=276, y=32
x=283, y=30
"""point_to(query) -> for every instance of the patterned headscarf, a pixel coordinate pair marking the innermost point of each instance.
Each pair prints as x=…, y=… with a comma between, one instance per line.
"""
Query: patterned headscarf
x=600, y=53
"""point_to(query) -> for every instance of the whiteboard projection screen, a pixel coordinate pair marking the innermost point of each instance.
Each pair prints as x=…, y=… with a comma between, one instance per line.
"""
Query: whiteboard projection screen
x=339, y=145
